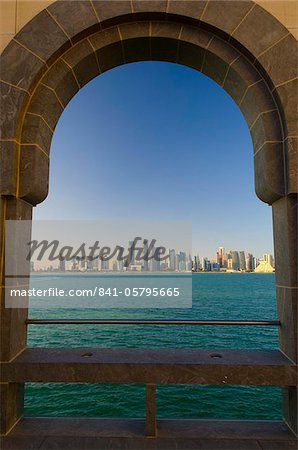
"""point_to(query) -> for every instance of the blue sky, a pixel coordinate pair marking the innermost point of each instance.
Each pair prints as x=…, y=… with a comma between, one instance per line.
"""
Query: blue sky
x=155, y=140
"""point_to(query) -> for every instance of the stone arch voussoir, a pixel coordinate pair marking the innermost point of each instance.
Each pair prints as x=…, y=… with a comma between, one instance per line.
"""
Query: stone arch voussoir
x=69, y=43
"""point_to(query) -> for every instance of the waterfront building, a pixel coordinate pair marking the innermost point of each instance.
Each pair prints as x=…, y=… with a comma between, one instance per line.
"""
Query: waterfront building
x=154, y=263
x=177, y=261
x=205, y=264
x=182, y=265
x=189, y=264
x=133, y=253
x=105, y=265
x=214, y=266
x=91, y=264
x=172, y=254
x=195, y=264
x=145, y=263
x=199, y=267
x=61, y=266
x=135, y=268
x=269, y=259
x=120, y=266
x=235, y=260
x=83, y=264
x=264, y=267
x=221, y=256
x=182, y=262
x=249, y=262
x=242, y=262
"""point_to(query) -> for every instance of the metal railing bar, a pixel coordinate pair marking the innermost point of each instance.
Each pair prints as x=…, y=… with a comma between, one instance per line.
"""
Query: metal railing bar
x=150, y=322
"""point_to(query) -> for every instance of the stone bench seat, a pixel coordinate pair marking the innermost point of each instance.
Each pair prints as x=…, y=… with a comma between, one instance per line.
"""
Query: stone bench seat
x=151, y=366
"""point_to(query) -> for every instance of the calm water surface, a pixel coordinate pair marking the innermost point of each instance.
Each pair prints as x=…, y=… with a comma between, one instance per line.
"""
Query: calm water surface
x=215, y=296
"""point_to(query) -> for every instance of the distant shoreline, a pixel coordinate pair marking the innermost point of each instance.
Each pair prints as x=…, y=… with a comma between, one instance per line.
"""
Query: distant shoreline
x=44, y=272
x=234, y=273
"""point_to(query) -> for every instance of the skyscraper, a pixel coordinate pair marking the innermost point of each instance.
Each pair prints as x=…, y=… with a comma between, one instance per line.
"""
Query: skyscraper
x=172, y=254
x=199, y=267
x=242, y=262
x=235, y=260
x=132, y=261
x=154, y=262
x=105, y=265
x=120, y=265
x=182, y=261
x=205, y=264
x=249, y=262
x=221, y=256
x=268, y=259
x=145, y=265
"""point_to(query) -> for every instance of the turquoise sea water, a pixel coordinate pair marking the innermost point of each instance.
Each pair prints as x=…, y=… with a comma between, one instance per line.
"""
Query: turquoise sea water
x=215, y=296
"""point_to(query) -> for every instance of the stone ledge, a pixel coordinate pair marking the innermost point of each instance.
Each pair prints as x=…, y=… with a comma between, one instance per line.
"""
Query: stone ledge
x=103, y=433
x=151, y=366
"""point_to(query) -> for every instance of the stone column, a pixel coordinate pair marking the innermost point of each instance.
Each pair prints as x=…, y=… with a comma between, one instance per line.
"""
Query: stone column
x=12, y=321
x=285, y=244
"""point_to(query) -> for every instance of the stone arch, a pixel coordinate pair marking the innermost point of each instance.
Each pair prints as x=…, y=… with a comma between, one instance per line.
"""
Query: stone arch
x=69, y=43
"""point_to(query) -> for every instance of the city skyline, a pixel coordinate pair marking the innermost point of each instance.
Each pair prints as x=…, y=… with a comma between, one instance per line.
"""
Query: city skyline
x=175, y=261
x=234, y=260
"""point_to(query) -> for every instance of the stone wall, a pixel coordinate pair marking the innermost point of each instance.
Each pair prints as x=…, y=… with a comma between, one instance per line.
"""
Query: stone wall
x=14, y=14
